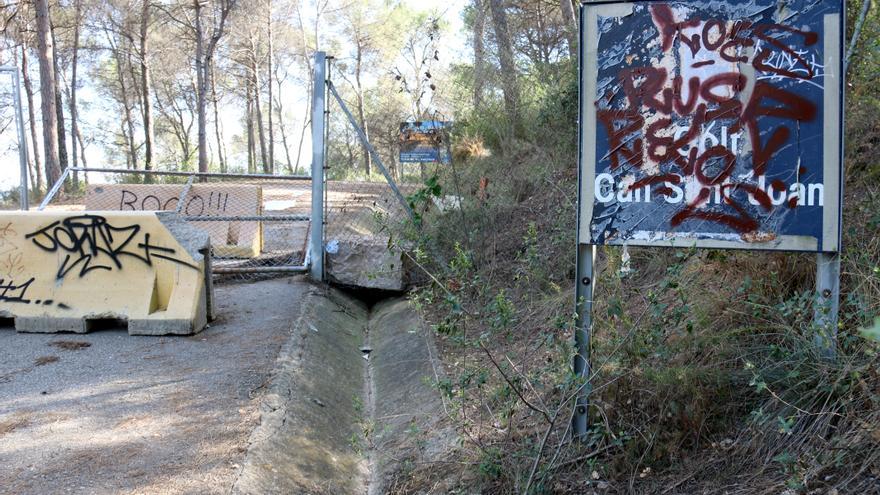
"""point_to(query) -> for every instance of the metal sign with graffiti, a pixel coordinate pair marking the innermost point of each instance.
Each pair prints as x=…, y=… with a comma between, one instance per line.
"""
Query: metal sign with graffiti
x=424, y=142
x=712, y=124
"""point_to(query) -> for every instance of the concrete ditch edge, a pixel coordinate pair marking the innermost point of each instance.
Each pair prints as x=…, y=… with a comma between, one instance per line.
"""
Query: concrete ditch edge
x=408, y=423
x=307, y=441
x=352, y=406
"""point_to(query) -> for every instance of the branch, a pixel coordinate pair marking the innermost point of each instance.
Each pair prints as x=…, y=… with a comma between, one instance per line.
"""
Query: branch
x=866, y=5
x=516, y=389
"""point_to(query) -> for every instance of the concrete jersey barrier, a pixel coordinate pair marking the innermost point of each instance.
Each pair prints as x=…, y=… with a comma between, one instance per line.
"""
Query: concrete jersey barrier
x=229, y=239
x=68, y=271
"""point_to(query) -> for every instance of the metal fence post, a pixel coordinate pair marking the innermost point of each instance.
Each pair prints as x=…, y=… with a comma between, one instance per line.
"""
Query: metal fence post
x=319, y=105
x=585, y=285
x=827, y=303
x=22, y=139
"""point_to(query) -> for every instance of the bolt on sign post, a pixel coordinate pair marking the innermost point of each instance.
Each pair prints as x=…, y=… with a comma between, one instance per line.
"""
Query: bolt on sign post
x=710, y=124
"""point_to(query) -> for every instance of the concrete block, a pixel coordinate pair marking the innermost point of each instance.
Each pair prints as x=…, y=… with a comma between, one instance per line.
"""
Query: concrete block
x=230, y=239
x=69, y=271
x=364, y=263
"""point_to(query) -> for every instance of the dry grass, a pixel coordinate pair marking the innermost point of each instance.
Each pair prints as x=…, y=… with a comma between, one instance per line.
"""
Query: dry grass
x=469, y=148
x=70, y=345
x=44, y=360
x=706, y=380
x=15, y=422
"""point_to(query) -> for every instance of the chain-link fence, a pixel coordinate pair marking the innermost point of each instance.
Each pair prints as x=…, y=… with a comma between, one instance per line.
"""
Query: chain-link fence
x=259, y=225
x=367, y=205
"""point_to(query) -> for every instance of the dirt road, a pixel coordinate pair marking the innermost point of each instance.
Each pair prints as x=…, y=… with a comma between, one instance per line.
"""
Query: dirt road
x=110, y=413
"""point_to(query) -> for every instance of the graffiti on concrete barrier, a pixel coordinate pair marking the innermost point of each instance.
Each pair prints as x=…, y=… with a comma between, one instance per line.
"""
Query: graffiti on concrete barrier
x=12, y=292
x=15, y=293
x=91, y=242
x=11, y=261
x=710, y=119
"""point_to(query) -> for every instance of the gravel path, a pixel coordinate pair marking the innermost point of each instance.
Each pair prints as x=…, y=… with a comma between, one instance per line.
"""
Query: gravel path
x=110, y=413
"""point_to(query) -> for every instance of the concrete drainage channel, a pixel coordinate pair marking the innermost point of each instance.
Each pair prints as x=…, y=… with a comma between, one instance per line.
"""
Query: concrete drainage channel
x=352, y=403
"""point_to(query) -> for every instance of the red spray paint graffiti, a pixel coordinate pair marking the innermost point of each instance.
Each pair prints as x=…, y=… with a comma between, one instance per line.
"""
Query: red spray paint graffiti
x=644, y=136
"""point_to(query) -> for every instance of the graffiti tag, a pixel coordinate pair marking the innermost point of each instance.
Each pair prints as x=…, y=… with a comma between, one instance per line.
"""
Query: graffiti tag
x=11, y=261
x=664, y=127
x=90, y=242
x=12, y=292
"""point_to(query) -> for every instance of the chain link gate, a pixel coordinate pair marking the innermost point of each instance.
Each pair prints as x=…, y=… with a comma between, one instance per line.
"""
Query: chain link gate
x=266, y=225
x=366, y=214
x=259, y=224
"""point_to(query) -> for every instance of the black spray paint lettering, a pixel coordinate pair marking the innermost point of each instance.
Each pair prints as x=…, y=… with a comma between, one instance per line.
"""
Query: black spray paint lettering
x=90, y=239
x=195, y=206
x=11, y=292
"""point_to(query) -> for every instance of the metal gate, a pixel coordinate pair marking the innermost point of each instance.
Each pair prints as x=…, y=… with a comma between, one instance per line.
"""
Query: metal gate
x=366, y=214
x=287, y=214
x=259, y=224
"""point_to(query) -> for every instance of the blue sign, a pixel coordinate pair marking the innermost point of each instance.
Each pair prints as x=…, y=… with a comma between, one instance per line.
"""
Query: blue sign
x=424, y=142
x=712, y=124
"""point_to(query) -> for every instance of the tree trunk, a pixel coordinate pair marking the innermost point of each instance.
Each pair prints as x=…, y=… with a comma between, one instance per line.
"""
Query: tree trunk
x=59, y=106
x=269, y=79
x=509, y=83
x=283, y=129
x=860, y=22
x=201, y=88
x=252, y=159
x=37, y=174
x=128, y=124
x=219, y=135
x=82, y=148
x=310, y=74
x=46, y=55
x=146, y=102
x=479, y=53
x=204, y=60
x=74, y=127
x=570, y=24
x=255, y=81
x=359, y=59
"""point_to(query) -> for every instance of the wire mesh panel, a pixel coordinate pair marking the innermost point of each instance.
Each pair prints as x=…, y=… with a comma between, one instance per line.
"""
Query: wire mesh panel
x=365, y=222
x=259, y=225
x=367, y=206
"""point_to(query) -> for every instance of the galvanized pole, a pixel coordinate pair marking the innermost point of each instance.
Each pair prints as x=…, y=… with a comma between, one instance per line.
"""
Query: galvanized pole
x=22, y=140
x=827, y=303
x=585, y=285
x=319, y=104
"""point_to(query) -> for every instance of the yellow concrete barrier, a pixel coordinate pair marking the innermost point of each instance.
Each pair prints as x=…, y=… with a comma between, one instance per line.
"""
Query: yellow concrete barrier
x=70, y=271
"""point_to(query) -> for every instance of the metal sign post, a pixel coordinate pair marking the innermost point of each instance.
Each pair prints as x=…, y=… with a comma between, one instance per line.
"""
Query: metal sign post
x=827, y=303
x=22, y=140
x=585, y=287
x=710, y=125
